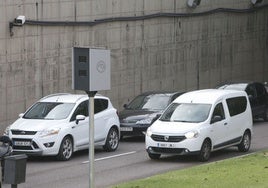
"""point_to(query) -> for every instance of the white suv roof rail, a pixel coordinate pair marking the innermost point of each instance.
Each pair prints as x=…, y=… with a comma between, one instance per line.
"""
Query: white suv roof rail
x=54, y=94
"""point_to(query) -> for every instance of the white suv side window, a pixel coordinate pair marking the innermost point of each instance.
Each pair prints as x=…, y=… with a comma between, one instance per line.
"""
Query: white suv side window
x=100, y=105
x=82, y=109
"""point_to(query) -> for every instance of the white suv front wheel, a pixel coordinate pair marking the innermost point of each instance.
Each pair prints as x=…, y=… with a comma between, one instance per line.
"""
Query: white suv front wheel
x=66, y=149
x=112, y=140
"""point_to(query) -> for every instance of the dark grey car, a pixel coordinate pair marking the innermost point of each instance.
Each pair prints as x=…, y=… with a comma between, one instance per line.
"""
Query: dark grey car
x=143, y=110
x=257, y=95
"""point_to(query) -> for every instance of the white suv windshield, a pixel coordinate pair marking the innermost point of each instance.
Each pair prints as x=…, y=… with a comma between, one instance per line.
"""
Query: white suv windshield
x=49, y=110
x=186, y=112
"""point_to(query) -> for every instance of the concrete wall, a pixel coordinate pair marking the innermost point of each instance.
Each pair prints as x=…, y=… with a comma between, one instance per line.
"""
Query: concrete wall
x=182, y=53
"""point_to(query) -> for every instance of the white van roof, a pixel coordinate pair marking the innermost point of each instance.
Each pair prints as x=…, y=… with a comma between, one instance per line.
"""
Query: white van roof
x=207, y=96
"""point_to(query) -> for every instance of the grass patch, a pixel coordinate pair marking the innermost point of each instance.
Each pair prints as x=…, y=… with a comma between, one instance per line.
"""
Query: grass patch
x=243, y=172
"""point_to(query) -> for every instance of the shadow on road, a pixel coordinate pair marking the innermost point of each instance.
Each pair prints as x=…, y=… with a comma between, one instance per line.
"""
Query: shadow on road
x=133, y=139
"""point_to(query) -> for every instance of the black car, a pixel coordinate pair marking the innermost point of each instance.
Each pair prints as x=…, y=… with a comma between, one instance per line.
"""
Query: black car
x=257, y=95
x=143, y=110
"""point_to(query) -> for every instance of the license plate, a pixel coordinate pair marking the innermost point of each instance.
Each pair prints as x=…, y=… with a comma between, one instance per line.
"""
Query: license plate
x=126, y=128
x=22, y=143
x=165, y=145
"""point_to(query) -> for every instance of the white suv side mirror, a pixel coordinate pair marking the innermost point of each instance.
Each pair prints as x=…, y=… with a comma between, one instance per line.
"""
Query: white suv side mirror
x=79, y=118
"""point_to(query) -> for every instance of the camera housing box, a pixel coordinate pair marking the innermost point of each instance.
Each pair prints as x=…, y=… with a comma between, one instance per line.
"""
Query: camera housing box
x=91, y=69
x=193, y=3
x=255, y=1
x=20, y=20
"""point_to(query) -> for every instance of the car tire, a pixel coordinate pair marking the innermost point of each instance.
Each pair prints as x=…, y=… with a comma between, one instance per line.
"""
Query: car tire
x=245, y=142
x=205, y=151
x=154, y=156
x=112, y=140
x=66, y=149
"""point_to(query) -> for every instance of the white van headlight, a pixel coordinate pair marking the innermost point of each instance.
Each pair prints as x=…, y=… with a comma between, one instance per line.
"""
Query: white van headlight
x=49, y=132
x=191, y=134
x=149, y=132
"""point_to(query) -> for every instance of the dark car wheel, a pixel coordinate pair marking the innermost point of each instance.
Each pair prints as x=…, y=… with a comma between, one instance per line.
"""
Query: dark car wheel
x=245, y=142
x=112, y=140
x=205, y=151
x=154, y=156
x=66, y=149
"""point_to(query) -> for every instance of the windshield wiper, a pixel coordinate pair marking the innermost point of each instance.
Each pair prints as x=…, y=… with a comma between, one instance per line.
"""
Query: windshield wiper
x=185, y=121
x=49, y=118
x=164, y=119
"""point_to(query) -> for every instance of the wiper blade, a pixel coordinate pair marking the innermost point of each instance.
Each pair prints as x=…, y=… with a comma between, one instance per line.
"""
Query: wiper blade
x=48, y=118
x=164, y=119
x=184, y=121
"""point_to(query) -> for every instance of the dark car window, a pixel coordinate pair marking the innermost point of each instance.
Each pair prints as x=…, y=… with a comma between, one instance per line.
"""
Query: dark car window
x=260, y=89
x=251, y=91
x=150, y=102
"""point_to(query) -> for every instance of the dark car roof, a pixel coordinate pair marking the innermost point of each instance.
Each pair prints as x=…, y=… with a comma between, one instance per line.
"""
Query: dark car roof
x=237, y=85
x=159, y=92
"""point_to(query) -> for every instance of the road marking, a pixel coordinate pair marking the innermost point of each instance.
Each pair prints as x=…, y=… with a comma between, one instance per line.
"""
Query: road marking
x=112, y=156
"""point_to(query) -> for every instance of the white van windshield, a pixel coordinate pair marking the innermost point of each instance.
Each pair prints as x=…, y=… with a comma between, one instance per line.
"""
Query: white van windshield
x=186, y=112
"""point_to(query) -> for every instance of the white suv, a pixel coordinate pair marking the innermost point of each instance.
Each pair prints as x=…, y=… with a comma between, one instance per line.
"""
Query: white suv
x=58, y=125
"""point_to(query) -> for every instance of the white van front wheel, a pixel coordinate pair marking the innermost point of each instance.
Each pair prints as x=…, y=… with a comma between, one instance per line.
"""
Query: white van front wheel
x=205, y=151
x=245, y=142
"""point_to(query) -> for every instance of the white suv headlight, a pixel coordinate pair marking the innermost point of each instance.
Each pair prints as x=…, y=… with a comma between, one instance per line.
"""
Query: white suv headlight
x=6, y=132
x=191, y=134
x=49, y=132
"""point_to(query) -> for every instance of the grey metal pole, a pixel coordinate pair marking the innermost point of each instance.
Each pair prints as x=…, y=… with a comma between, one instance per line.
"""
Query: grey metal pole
x=91, y=137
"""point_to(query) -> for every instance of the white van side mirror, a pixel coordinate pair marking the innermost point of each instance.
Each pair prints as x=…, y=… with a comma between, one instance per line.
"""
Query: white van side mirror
x=215, y=119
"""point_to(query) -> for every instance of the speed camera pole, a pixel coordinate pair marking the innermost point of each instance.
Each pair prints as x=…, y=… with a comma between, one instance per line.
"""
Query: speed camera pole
x=91, y=95
x=91, y=73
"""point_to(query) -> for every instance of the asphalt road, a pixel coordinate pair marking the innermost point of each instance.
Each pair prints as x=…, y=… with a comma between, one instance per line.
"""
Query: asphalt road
x=129, y=162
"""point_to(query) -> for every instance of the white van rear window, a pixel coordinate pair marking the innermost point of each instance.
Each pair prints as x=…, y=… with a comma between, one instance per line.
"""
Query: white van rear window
x=236, y=105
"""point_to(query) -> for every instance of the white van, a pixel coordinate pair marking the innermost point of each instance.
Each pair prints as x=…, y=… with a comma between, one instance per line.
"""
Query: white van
x=200, y=122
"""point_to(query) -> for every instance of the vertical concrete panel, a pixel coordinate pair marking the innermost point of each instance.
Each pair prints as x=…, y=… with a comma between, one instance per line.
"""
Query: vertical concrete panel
x=155, y=54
